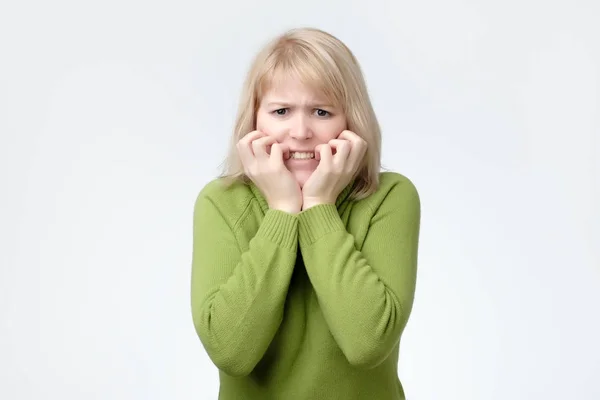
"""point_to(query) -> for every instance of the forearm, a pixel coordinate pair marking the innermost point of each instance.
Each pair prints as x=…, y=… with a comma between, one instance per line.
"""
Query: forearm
x=365, y=296
x=236, y=316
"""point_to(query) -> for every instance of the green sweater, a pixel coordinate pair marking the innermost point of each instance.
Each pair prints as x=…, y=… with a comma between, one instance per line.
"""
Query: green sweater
x=308, y=306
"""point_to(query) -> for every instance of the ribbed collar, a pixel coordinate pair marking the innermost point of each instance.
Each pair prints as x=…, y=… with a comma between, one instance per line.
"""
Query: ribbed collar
x=265, y=206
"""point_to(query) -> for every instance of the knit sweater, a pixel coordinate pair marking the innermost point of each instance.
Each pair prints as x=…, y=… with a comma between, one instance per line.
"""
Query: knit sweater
x=307, y=306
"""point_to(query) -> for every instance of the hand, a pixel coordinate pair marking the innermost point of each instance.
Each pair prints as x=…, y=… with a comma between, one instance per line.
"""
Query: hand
x=335, y=171
x=268, y=172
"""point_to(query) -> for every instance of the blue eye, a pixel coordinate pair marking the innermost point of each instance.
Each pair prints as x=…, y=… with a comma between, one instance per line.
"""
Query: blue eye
x=322, y=113
x=280, y=111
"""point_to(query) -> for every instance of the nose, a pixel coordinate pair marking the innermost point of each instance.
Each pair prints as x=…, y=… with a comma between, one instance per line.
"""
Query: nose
x=300, y=128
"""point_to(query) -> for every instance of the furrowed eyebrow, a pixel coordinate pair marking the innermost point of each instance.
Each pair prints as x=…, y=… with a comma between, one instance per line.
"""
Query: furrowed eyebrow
x=286, y=104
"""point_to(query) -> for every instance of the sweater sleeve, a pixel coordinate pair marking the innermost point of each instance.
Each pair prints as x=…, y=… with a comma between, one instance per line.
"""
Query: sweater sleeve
x=237, y=298
x=366, y=296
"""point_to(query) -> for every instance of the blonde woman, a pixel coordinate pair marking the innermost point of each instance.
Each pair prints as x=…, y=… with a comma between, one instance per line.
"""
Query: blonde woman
x=304, y=252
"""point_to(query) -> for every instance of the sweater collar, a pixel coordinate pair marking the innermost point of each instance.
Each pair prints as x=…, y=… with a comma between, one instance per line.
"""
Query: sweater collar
x=265, y=206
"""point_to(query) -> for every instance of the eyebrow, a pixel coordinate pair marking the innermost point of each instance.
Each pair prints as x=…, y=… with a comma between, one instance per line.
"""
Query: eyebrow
x=287, y=104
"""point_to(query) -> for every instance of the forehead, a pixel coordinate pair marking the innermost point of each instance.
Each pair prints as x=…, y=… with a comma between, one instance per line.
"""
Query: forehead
x=295, y=85
x=293, y=88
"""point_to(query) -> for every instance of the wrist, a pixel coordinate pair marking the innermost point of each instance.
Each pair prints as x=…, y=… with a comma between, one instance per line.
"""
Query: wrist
x=288, y=208
x=309, y=203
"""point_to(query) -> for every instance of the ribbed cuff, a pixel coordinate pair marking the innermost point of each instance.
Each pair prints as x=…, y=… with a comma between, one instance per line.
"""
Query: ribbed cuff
x=280, y=228
x=318, y=221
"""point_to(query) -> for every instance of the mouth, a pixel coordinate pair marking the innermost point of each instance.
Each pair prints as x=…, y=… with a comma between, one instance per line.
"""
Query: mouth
x=301, y=155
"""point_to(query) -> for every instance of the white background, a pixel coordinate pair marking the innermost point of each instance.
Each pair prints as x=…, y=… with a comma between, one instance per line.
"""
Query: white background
x=114, y=114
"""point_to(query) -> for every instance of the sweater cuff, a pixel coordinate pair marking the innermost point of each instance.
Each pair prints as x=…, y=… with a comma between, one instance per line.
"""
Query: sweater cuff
x=317, y=222
x=280, y=228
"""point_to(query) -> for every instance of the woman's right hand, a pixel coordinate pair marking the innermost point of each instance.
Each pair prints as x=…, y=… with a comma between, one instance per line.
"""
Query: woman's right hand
x=268, y=171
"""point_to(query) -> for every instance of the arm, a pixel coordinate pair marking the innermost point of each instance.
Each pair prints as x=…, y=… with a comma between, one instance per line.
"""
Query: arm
x=366, y=296
x=237, y=298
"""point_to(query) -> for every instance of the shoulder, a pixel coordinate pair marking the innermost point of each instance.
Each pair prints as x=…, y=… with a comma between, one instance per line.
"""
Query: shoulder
x=391, y=179
x=395, y=190
x=229, y=200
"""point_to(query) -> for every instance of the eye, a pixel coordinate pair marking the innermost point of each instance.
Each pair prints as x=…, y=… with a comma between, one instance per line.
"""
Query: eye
x=280, y=111
x=322, y=113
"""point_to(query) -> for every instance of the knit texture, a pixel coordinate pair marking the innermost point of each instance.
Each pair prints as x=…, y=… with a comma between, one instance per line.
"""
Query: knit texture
x=308, y=306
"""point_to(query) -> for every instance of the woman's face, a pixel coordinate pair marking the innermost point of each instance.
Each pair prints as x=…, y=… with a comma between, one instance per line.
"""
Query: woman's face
x=297, y=116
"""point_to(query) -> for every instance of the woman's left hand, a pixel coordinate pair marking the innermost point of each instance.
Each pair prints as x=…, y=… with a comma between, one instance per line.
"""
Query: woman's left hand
x=335, y=171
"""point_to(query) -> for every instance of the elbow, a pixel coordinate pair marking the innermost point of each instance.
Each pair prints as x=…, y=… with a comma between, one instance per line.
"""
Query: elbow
x=225, y=355
x=224, y=351
x=367, y=358
x=231, y=364
x=371, y=349
x=235, y=372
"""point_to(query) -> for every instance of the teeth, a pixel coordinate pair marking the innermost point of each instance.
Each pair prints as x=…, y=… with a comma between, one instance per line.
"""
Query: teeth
x=302, y=155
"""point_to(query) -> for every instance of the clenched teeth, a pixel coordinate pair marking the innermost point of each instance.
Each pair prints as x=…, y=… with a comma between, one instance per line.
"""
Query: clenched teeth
x=302, y=155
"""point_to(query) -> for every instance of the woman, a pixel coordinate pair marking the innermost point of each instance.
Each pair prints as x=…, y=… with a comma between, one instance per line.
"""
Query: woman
x=304, y=253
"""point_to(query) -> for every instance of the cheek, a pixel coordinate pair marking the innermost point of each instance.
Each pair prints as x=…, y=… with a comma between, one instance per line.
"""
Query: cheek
x=265, y=123
x=330, y=131
x=259, y=121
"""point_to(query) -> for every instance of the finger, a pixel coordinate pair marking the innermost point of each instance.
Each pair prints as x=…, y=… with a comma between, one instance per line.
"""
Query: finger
x=250, y=137
x=323, y=154
x=285, y=151
x=342, y=149
x=259, y=147
x=244, y=148
x=348, y=135
x=277, y=154
x=355, y=140
x=359, y=146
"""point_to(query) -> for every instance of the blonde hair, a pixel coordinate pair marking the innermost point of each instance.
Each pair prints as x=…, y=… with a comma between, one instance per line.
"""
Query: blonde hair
x=325, y=64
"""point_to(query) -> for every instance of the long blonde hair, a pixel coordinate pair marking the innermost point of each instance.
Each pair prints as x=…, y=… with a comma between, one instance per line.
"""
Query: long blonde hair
x=323, y=62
